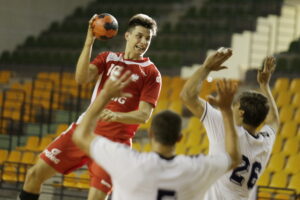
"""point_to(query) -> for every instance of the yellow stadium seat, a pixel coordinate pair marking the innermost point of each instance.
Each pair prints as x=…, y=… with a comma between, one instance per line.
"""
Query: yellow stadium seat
x=286, y=113
x=61, y=128
x=16, y=85
x=276, y=162
x=288, y=129
x=297, y=116
x=279, y=179
x=136, y=146
x=5, y=76
x=177, y=82
x=264, y=195
x=147, y=147
x=295, y=85
x=291, y=146
x=14, y=156
x=292, y=166
x=281, y=84
x=70, y=180
x=83, y=181
x=162, y=105
x=296, y=100
x=277, y=145
x=175, y=95
x=195, y=125
x=31, y=144
x=10, y=173
x=283, y=196
x=284, y=98
x=194, y=150
x=295, y=183
x=166, y=80
x=176, y=106
x=43, y=75
x=3, y=155
x=28, y=158
x=180, y=148
x=10, y=168
x=43, y=144
x=264, y=179
x=193, y=140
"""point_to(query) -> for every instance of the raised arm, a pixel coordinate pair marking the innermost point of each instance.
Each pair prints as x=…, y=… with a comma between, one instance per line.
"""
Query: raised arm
x=191, y=89
x=85, y=72
x=83, y=135
x=263, y=79
x=226, y=91
x=139, y=116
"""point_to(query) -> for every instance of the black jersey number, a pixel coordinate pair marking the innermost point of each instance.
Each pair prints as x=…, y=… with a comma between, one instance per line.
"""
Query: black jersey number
x=237, y=174
x=169, y=194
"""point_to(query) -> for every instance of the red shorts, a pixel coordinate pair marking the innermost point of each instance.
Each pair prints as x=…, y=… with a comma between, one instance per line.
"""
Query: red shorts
x=64, y=156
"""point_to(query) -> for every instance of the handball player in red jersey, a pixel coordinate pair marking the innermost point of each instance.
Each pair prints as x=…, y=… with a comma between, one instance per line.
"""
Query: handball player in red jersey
x=121, y=117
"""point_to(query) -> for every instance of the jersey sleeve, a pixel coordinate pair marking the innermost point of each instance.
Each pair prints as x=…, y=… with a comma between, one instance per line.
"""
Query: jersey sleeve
x=100, y=61
x=213, y=123
x=151, y=89
x=111, y=155
x=212, y=167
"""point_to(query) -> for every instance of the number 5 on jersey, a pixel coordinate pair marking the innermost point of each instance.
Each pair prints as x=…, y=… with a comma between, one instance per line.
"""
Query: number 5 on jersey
x=166, y=195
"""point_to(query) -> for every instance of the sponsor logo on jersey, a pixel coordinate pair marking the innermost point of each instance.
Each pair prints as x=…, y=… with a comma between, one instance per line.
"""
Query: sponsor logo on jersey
x=134, y=77
x=52, y=155
x=120, y=100
x=158, y=79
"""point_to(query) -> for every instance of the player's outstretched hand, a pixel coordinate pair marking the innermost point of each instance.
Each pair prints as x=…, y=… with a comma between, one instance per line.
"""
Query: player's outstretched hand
x=108, y=116
x=264, y=75
x=116, y=83
x=214, y=62
x=226, y=90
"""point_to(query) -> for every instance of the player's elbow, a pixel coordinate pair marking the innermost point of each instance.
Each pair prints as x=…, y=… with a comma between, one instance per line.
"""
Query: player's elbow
x=144, y=117
x=80, y=80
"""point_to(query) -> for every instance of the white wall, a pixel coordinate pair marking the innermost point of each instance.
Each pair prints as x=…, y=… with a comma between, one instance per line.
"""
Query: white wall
x=273, y=35
x=21, y=18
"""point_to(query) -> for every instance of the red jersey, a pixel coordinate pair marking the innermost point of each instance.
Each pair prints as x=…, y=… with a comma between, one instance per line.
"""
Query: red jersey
x=145, y=86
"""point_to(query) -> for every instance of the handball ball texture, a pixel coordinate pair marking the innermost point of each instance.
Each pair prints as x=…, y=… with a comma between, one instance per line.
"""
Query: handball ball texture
x=105, y=26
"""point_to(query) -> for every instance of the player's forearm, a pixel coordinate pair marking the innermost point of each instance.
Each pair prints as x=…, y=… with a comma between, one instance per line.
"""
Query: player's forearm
x=231, y=139
x=82, y=67
x=193, y=85
x=273, y=115
x=134, y=117
x=83, y=134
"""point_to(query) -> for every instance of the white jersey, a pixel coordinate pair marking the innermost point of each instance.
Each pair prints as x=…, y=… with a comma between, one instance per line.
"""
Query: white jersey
x=237, y=183
x=149, y=176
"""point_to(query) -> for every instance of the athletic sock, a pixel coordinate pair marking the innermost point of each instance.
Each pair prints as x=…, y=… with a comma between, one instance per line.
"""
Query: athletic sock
x=28, y=196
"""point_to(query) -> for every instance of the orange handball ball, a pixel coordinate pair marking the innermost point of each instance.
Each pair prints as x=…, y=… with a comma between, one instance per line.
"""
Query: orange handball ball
x=105, y=26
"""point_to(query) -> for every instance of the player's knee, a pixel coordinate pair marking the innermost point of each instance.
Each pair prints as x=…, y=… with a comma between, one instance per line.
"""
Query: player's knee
x=36, y=174
x=33, y=175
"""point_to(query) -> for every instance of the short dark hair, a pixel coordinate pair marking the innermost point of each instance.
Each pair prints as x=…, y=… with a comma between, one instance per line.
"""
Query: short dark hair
x=142, y=20
x=166, y=127
x=255, y=107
